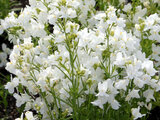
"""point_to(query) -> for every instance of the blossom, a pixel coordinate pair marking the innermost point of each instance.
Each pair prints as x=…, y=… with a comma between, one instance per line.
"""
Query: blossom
x=122, y=84
x=148, y=94
x=11, y=85
x=155, y=33
x=100, y=102
x=148, y=66
x=119, y=59
x=155, y=54
x=29, y=115
x=127, y=7
x=5, y=49
x=136, y=114
x=133, y=94
x=21, y=99
x=3, y=59
x=106, y=94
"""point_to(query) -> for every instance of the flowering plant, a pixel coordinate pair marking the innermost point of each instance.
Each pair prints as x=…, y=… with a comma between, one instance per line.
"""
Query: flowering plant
x=73, y=58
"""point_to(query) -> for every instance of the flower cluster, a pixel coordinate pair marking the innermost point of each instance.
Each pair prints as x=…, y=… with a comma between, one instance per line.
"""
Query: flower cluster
x=71, y=56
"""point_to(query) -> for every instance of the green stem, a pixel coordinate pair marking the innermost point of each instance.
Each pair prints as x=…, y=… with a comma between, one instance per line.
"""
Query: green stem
x=72, y=75
x=53, y=94
x=3, y=76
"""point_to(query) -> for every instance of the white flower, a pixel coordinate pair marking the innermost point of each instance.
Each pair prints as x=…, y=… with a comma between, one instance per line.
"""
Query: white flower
x=52, y=19
x=120, y=60
x=37, y=29
x=100, y=16
x=28, y=106
x=102, y=88
x=32, y=3
x=139, y=13
x=148, y=66
x=100, y=101
x=155, y=33
x=39, y=104
x=149, y=106
x=21, y=99
x=136, y=114
x=115, y=104
x=155, y=53
x=9, y=21
x=11, y=85
x=5, y=49
x=132, y=71
x=3, y=59
x=106, y=93
x=148, y=94
x=71, y=13
x=127, y=7
x=29, y=115
x=121, y=22
x=122, y=84
x=149, y=22
x=106, y=87
x=139, y=82
x=133, y=94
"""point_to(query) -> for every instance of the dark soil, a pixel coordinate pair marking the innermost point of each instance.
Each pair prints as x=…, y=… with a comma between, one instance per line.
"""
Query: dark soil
x=11, y=112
